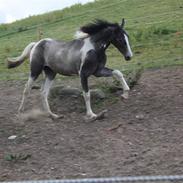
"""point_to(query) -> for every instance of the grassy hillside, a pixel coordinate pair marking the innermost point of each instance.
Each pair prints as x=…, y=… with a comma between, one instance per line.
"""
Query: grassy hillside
x=155, y=29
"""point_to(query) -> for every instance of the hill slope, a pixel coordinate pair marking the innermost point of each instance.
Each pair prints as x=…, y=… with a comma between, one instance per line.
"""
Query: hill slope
x=155, y=29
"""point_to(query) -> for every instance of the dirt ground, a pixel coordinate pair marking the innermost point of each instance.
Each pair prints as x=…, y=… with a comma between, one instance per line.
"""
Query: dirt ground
x=140, y=136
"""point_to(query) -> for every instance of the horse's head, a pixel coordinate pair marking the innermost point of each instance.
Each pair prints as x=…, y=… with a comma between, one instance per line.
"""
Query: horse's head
x=105, y=32
x=121, y=42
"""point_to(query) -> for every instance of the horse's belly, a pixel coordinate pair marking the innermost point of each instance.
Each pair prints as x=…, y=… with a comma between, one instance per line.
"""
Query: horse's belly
x=67, y=72
x=67, y=68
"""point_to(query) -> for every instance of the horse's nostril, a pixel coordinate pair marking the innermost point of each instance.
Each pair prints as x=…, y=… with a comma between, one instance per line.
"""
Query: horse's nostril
x=127, y=58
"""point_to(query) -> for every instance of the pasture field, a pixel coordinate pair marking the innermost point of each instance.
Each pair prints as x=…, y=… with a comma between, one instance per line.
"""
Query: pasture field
x=155, y=30
x=139, y=136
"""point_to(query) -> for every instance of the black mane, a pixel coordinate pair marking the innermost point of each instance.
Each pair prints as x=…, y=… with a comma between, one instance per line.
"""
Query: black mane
x=97, y=26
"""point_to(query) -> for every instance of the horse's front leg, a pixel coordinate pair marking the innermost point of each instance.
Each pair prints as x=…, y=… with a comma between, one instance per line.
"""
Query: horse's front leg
x=106, y=72
x=86, y=95
x=119, y=76
x=87, y=69
x=90, y=115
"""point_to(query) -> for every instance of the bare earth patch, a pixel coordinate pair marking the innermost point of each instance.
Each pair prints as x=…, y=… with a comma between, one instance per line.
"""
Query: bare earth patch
x=140, y=136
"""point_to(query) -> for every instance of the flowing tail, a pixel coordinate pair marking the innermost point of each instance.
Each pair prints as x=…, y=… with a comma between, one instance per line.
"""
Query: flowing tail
x=16, y=61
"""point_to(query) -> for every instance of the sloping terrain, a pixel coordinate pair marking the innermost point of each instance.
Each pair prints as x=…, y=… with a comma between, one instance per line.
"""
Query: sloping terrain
x=140, y=136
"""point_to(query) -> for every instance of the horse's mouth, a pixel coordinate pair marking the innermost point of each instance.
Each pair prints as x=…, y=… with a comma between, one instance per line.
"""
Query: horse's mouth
x=127, y=58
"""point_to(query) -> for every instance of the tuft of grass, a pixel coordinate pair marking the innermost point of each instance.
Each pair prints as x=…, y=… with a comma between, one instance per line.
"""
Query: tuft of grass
x=162, y=31
x=134, y=75
x=17, y=157
x=21, y=29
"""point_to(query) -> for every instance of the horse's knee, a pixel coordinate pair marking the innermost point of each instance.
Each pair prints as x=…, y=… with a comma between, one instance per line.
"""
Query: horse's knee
x=103, y=72
x=117, y=73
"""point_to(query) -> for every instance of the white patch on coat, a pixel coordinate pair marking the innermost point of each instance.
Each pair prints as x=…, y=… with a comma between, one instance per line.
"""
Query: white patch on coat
x=87, y=46
x=129, y=53
x=80, y=34
x=89, y=111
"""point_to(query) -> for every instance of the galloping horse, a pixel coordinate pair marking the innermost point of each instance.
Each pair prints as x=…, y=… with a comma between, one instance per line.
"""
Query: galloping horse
x=83, y=56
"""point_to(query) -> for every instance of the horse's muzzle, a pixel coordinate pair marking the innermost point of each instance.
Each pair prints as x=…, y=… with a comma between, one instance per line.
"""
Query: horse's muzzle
x=127, y=58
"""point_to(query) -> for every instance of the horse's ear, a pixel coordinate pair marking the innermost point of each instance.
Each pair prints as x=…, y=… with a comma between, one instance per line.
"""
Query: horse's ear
x=123, y=23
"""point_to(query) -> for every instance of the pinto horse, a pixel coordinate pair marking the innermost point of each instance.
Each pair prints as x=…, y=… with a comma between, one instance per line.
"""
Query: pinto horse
x=83, y=56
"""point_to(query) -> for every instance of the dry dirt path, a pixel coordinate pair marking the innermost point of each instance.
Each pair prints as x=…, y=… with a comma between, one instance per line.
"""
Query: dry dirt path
x=140, y=136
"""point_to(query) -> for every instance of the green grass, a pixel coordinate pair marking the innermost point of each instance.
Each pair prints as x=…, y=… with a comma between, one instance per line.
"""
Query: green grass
x=17, y=157
x=155, y=29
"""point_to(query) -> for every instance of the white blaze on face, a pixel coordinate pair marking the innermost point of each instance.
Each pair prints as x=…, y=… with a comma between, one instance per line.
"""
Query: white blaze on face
x=129, y=53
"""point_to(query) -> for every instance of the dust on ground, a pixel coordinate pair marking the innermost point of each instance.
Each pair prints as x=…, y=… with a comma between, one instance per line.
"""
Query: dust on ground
x=140, y=136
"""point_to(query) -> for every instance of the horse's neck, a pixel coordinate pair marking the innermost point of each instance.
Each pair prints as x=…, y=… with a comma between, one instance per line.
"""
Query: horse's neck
x=100, y=44
x=102, y=37
x=104, y=46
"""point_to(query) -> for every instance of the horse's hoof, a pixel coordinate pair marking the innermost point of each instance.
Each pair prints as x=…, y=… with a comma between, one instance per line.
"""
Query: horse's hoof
x=55, y=116
x=125, y=95
x=19, y=114
x=99, y=116
x=20, y=110
x=90, y=118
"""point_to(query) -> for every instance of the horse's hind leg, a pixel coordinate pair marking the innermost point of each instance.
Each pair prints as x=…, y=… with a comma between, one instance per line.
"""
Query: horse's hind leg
x=35, y=70
x=26, y=93
x=50, y=75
